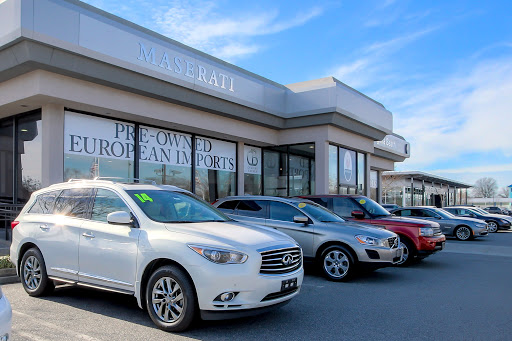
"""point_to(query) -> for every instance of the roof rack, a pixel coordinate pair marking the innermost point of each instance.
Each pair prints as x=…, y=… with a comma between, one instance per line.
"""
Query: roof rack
x=116, y=179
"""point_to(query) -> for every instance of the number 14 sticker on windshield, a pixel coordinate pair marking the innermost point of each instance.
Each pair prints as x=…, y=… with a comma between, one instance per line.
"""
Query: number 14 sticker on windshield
x=143, y=197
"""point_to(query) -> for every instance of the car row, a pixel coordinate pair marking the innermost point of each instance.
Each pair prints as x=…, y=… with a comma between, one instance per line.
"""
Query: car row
x=494, y=222
x=182, y=258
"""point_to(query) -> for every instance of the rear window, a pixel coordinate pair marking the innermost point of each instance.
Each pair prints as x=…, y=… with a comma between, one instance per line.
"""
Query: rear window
x=73, y=202
x=228, y=206
x=253, y=208
x=44, y=203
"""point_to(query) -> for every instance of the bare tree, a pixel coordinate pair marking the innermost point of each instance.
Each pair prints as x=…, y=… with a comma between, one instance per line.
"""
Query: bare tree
x=503, y=192
x=485, y=188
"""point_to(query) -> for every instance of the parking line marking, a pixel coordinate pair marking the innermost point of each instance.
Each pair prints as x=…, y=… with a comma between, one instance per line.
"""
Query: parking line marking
x=51, y=325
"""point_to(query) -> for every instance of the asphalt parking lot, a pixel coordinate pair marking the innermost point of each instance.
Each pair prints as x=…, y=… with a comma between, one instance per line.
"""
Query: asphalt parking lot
x=462, y=293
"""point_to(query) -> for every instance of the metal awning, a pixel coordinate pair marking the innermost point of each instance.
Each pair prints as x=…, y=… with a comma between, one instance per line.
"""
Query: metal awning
x=417, y=175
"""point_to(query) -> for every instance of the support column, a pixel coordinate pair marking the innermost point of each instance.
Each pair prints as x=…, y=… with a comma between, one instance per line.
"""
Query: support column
x=455, y=195
x=321, y=167
x=367, y=175
x=52, y=127
x=412, y=191
x=240, y=168
x=379, y=186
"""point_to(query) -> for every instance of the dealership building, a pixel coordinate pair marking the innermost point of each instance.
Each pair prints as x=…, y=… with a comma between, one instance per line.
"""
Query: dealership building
x=84, y=93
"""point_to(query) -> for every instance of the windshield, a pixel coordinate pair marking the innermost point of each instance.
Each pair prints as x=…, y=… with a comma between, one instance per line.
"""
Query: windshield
x=318, y=212
x=175, y=207
x=444, y=214
x=479, y=210
x=372, y=207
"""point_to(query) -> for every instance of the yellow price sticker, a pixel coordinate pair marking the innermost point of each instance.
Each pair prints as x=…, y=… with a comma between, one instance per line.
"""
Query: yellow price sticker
x=302, y=205
x=362, y=201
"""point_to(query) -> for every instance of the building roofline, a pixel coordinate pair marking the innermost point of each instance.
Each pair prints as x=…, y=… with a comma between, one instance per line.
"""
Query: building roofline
x=419, y=175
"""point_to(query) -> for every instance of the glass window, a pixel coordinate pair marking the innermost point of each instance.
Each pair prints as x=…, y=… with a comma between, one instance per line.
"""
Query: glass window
x=73, y=202
x=300, y=157
x=253, y=208
x=333, y=169
x=322, y=201
x=29, y=155
x=165, y=157
x=215, y=168
x=372, y=207
x=275, y=172
x=106, y=202
x=361, y=172
x=252, y=170
x=228, y=206
x=344, y=207
x=320, y=213
x=374, y=185
x=347, y=165
x=44, y=203
x=404, y=213
x=6, y=161
x=96, y=146
x=175, y=207
x=283, y=212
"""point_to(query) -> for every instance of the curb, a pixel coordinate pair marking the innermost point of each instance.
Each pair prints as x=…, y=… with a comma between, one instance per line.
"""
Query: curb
x=8, y=276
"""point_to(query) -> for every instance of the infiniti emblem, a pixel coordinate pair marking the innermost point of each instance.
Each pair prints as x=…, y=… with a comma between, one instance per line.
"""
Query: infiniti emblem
x=287, y=259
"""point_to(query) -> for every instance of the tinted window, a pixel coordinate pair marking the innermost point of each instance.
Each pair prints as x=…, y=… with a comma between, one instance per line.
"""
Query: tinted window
x=344, y=206
x=319, y=212
x=252, y=208
x=424, y=213
x=44, y=203
x=283, y=212
x=228, y=206
x=73, y=202
x=107, y=202
x=404, y=213
x=321, y=201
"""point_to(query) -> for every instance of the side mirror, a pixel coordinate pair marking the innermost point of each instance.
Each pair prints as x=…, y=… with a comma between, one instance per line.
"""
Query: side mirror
x=119, y=217
x=299, y=219
x=358, y=214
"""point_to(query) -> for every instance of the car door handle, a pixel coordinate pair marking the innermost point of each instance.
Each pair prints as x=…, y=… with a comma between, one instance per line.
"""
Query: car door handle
x=88, y=235
x=44, y=227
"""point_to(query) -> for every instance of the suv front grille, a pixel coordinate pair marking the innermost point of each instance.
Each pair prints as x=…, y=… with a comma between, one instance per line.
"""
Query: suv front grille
x=393, y=242
x=281, y=261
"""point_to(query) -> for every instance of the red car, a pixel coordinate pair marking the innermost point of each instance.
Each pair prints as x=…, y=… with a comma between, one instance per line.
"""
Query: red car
x=419, y=238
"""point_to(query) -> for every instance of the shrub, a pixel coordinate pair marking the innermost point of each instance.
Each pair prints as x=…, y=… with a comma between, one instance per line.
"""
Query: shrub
x=5, y=262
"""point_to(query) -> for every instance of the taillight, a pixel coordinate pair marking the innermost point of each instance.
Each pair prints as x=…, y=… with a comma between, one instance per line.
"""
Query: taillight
x=13, y=224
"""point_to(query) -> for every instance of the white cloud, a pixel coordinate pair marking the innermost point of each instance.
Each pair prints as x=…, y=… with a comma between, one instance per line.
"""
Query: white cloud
x=200, y=25
x=468, y=112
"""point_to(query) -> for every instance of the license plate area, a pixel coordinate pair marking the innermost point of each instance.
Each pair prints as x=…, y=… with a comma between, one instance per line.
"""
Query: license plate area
x=289, y=284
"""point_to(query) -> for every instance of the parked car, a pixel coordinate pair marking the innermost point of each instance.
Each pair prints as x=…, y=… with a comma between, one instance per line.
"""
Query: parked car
x=494, y=222
x=339, y=247
x=494, y=210
x=461, y=228
x=390, y=207
x=419, y=238
x=178, y=255
x=5, y=318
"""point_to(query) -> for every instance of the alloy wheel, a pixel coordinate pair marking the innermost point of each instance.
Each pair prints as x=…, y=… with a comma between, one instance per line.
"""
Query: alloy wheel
x=493, y=227
x=463, y=233
x=405, y=254
x=32, y=273
x=336, y=263
x=167, y=299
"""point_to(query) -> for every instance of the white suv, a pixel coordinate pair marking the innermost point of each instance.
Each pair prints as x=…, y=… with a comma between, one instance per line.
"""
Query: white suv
x=177, y=255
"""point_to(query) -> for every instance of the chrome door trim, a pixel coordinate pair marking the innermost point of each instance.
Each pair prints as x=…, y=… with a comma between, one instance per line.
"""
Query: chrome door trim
x=103, y=279
x=66, y=271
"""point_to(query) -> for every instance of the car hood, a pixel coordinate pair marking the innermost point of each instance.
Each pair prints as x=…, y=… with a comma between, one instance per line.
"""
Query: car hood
x=361, y=228
x=404, y=221
x=233, y=233
x=499, y=216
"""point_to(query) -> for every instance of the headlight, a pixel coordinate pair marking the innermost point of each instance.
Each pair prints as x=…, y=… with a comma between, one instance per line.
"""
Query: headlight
x=426, y=231
x=367, y=240
x=481, y=225
x=220, y=256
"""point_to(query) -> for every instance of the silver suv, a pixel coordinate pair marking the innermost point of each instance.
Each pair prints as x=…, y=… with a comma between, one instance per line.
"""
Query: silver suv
x=179, y=256
x=340, y=247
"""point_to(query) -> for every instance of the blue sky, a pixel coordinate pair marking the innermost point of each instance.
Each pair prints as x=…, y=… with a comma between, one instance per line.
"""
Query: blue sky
x=444, y=68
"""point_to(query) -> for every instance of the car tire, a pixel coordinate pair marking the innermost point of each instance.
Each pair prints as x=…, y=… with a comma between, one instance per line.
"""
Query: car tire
x=170, y=299
x=409, y=253
x=33, y=274
x=463, y=233
x=492, y=226
x=337, y=263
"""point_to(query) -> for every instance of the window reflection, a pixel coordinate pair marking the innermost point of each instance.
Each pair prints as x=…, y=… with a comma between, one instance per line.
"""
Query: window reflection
x=29, y=155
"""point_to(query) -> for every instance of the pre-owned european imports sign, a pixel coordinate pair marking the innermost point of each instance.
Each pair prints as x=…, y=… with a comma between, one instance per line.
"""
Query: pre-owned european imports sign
x=98, y=137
